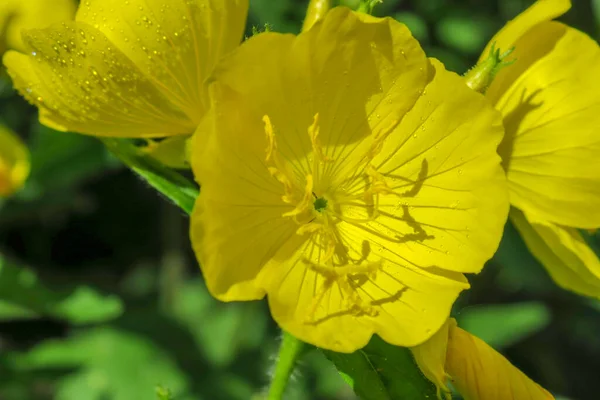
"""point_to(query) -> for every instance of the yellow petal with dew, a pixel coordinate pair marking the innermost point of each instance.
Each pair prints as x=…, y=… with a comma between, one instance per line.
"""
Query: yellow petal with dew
x=14, y=162
x=18, y=15
x=451, y=200
x=480, y=373
x=175, y=44
x=562, y=251
x=540, y=11
x=551, y=114
x=299, y=128
x=83, y=83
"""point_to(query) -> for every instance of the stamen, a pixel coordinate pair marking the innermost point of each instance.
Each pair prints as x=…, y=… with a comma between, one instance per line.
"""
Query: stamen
x=277, y=167
x=305, y=204
x=342, y=276
x=379, y=139
x=271, y=144
x=378, y=183
x=313, y=133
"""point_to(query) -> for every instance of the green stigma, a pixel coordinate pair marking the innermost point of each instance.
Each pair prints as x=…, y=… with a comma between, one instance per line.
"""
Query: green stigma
x=320, y=204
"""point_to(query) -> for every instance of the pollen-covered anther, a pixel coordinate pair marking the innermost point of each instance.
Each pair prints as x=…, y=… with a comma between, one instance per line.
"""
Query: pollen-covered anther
x=343, y=275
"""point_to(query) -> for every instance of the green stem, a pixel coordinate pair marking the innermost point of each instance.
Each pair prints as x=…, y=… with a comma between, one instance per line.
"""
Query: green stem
x=289, y=352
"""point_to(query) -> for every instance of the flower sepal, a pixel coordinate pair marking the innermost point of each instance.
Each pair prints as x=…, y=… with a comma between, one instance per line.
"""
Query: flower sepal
x=367, y=6
x=481, y=76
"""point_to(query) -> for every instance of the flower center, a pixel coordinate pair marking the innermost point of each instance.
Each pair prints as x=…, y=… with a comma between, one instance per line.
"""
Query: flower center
x=318, y=213
x=320, y=204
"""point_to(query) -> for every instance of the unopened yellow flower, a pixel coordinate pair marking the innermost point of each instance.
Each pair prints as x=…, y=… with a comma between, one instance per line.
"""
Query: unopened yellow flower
x=348, y=178
x=315, y=11
x=16, y=15
x=14, y=162
x=475, y=369
x=135, y=68
x=550, y=100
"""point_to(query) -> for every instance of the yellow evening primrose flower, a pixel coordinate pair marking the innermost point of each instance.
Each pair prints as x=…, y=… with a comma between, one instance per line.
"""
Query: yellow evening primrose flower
x=135, y=68
x=550, y=101
x=475, y=369
x=14, y=162
x=349, y=179
x=16, y=15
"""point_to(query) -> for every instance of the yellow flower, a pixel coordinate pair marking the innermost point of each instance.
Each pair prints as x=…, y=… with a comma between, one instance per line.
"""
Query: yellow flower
x=476, y=370
x=14, y=162
x=350, y=179
x=550, y=100
x=136, y=68
x=16, y=15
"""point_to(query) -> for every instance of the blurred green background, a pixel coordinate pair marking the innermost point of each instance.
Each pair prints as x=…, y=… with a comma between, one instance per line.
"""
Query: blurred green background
x=101, y=298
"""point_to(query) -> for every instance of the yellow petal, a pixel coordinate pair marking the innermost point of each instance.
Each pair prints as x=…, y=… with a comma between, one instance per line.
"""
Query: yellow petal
x=236, y=224
x=442, y=154
x=540, y=11
x=551, y=114
x=408, y=304
x=480, y=373
x=82, y=82
x=14, y=162
x=341, y=99
x=313, y=76
x=175, y=44
x=431, y=359
x=17, y=15
x=563, y=251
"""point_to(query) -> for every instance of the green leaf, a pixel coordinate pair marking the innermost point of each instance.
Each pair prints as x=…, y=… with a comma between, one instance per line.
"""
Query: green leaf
x=381, y=371
x=22, y=295
x=596, y=10
x=328, y=381
x=416, y=24
x=221, y=330
x=112, y=364
x=10, y=311
x=519, y=270
x=277, y=14
x=163, y=393
x=465, y=32
x=63, y=159
x=165, y=180
x=518, y=321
